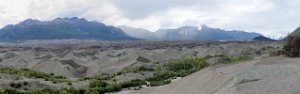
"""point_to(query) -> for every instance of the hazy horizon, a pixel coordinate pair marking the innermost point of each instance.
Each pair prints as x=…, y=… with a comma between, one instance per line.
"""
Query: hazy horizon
x=272, y=18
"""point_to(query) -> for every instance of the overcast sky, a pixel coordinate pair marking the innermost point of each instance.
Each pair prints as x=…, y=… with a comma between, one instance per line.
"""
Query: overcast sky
x=272, y=18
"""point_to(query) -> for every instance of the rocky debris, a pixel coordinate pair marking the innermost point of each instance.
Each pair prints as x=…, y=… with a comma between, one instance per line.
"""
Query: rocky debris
x=117, y=54
x=27, y=84
x=95, y=46
x=85, y=54
x=247, y=81
x=70, y=62
x=39, y=49
x=46, y=57
x=217, y=60
x=92, y=61
x=76, y=69
x=76, y=60
x=9, y=55
x=142, y=59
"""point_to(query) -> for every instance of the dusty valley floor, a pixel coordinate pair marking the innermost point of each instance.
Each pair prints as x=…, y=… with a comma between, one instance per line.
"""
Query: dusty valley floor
x=75, y=65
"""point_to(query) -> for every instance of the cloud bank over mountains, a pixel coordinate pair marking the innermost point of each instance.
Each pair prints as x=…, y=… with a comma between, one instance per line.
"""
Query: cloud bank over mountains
x=269, y=17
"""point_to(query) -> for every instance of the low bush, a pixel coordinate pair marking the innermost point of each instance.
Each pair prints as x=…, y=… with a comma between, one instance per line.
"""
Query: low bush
x=12, y=84
x=98, y=83
x=176, y=68
x=102, y=77
x=135, y=69
x=33, y=74
x=237, y=59
x=159, y=83
x=25, y=83
x=132, y=83
x=69, y=83
x=113, y=87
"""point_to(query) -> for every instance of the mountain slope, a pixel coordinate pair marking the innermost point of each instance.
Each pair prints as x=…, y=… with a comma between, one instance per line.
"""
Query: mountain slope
x=205, y=34
x=191, y=33
x=262, y=38
x=182, y=33
x=138, y=33
x=219, y=34
x=61, y=28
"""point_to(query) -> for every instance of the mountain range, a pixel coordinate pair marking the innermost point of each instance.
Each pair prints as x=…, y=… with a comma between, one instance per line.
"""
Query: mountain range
x=191, y=33
x=61, y=28
x=79, y=28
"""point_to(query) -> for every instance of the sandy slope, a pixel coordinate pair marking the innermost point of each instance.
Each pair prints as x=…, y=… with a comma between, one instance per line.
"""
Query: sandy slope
x=273, y=75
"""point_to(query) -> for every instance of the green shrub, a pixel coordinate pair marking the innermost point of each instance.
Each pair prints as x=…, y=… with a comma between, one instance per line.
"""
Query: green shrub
x=161, y=75
x=298, y=33
x=135, y=69
x=25, y=83
x=102, y=77
x=12, y=84
x=237, y=59
x=52, y=74
x=177, y=68
x=159, y=83
x=69, y=83
x=18, y=85
x=98, y=83
x=113, y=87
x=132, y=83
x=15, y=85
x=1, y=91
x=11, y=91
x=33, y=74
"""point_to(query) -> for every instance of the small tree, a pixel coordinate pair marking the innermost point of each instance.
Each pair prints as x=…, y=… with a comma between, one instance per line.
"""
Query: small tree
x=292, y=47
x=298, y=34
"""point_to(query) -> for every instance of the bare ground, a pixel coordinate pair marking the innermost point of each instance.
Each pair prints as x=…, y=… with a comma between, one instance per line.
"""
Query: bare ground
x=90, y=59
x=272, y=75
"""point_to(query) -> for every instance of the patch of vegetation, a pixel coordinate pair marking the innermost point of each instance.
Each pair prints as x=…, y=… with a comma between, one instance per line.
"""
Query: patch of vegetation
x=46, y=91
x=233, y=60
x=135, y=69
x=133, y=83
x=15, y=85
x=176, y=68
x=25, y=83
x=159, y=83
x=292, y=47
x=163, y=74
x=276, y=53
x=70, y=83
x=181, y=68
x=102, y=77
x=1, y=90
x=98, y=83
x=103, y=87
x=33, y=74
